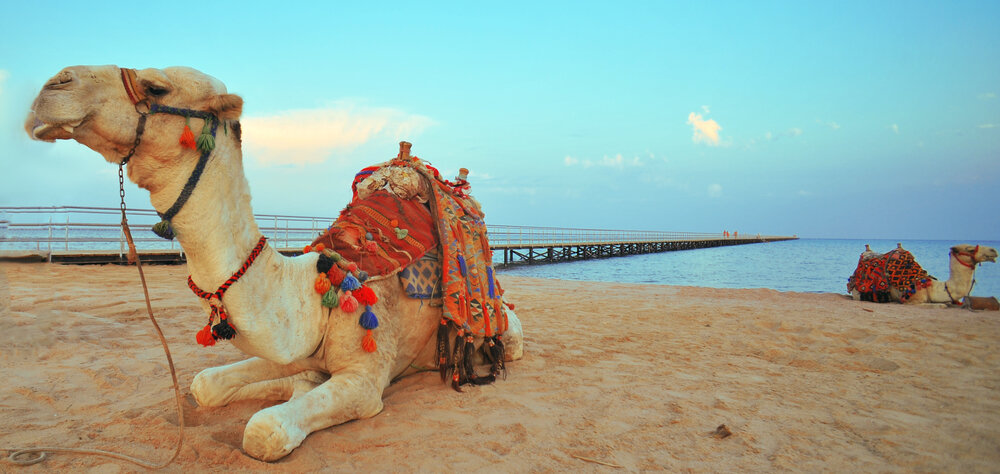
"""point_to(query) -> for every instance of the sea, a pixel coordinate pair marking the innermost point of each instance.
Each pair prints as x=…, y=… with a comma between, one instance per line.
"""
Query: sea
x=804, y=265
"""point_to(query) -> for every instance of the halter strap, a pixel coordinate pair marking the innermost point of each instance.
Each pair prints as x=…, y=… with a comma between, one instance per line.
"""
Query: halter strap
x=135, y=94
x=970, y=255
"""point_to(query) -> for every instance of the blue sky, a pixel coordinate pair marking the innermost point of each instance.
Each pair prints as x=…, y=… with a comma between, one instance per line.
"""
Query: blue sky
x=840, y=119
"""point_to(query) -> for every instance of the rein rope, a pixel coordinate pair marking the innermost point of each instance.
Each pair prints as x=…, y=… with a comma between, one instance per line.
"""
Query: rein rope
x=17, y=455
x=209, y=334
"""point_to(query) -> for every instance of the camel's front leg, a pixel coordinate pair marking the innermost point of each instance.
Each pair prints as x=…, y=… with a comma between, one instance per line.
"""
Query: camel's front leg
x=274, y=432
x=254, y=378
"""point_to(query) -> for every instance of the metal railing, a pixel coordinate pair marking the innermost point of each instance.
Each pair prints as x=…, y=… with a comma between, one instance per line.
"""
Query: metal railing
x=82, y=229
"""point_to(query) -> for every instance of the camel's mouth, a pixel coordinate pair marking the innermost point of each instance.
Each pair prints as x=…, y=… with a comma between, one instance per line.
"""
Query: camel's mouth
x=52, y=132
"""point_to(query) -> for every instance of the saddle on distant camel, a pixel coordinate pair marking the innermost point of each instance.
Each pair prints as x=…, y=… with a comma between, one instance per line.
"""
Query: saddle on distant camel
x=876, y=274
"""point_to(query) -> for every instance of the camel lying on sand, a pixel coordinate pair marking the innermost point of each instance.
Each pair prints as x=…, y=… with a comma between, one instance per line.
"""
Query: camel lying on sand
x=303, y=349
x=896, y=276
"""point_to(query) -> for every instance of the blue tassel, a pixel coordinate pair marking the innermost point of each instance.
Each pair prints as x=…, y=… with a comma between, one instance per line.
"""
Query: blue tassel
x=362, y=276
x=350, y=283
x=368, y=319
x=489, y=276
x=461, y=265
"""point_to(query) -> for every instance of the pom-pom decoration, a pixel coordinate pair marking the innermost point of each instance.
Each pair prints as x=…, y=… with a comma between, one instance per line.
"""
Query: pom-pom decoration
x=368, y=319
x=352, y=267
x=336, y=275
x=368, y=342
x=350, y=283
x=206, y=141
x=319, y=247
x=187, y=138
x=204, y=337
x=307, y=249
x=223, y=330
x=322, y=284
x=164, y=230
x=366, y=296
x=324, y=264
x=371, y=246
x=348, y=303
x=330, y=298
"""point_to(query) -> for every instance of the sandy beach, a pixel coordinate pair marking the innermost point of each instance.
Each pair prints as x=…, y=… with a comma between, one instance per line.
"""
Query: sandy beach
x=635, y=376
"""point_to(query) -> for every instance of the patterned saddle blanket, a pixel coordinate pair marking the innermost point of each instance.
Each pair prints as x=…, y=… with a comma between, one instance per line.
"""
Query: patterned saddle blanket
x=876, y=274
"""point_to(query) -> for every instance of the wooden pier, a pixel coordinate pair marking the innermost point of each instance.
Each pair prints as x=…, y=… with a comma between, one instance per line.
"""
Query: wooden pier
x=79, y=235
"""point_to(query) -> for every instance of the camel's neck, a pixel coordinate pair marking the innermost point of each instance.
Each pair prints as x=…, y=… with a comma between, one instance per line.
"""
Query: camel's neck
x=215, y=226
x=960, y=278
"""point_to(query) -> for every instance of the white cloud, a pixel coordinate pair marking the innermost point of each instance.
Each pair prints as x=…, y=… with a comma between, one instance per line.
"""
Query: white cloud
x=989, y=125
x=570, y=161
x=715, y=190
x=988, y=96
x=895, y=128
x=705, y=109
x=310, y=135
x=705, y=131
x=833, y=125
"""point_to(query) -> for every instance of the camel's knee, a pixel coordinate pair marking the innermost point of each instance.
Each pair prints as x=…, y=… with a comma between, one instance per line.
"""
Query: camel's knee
x=209, y=389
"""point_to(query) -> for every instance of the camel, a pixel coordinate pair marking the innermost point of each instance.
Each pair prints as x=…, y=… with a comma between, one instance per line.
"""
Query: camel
x=896, y=276
x=301, y=352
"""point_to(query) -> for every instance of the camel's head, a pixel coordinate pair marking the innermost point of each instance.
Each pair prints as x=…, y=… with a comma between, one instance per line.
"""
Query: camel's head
x=99, y=106
x=976, y=253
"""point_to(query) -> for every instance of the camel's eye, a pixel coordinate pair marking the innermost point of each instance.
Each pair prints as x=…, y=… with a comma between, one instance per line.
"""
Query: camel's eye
x=157, y=91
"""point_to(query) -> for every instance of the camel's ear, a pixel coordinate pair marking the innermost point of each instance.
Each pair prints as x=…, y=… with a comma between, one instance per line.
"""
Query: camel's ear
x=226, y=106
x=955, y=249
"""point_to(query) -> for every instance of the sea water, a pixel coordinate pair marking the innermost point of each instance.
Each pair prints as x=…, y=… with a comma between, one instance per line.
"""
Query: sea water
x=804, y=265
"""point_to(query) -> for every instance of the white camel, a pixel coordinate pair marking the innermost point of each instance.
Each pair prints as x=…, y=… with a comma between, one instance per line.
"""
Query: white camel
x=963, y=260
x=301, y=351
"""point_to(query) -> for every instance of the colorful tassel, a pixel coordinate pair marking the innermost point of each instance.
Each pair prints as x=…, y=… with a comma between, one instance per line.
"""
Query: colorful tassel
x=336, y=275
x=206, y=142
x=223, y=330
x=368, y=342
x=366, y=296
x=307, y=249
x=350, y=283
x=324, y=264
x=319, y=247
x=187, y=138
x=204, y=337
x=322, y=284
x=352, y=267
x=401, y=233
x=164, y=230
x=368, y=319
x=330, y=298
x=348, y=303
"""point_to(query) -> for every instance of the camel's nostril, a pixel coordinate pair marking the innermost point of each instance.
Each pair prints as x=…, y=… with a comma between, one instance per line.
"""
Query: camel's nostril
x=60, y=80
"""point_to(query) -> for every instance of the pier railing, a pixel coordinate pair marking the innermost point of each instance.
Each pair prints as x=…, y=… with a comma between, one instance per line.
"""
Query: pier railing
x=94, y=230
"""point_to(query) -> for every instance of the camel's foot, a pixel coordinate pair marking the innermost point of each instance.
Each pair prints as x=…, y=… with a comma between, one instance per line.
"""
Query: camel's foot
x=513, y=338
x=269, y=437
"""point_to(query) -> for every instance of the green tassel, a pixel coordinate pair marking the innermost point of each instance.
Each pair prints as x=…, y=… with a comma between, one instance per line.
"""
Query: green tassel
x=401, y=233
x=205, y=141
x=164, y=230
x=330, y=298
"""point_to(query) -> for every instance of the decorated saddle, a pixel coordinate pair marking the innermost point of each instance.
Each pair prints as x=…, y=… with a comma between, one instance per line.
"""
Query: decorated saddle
x=405, y=219
x=876, y=274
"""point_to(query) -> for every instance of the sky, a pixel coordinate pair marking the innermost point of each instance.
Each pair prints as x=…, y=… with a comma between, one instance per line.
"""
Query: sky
x=816, y=119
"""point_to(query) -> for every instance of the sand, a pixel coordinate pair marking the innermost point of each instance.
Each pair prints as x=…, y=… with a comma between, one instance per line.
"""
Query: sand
x=638, y=376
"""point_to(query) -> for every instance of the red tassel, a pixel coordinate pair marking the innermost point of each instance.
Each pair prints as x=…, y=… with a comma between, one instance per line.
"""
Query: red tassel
x=368, y=342
x=336, y=276
x=204, y=336
x=348, y=303
x=187, y=138
x=365, y=296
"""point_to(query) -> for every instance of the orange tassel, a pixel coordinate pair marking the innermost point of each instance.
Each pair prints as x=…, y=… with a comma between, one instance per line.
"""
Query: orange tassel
x=322, y=284
x=368, y=343
x=307, y=249
x=319, y=247
x=204, y=337
x=187, y=138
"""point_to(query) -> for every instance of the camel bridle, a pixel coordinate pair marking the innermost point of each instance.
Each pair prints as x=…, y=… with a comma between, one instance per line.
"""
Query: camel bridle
x=137, y=96
x=971, y=255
